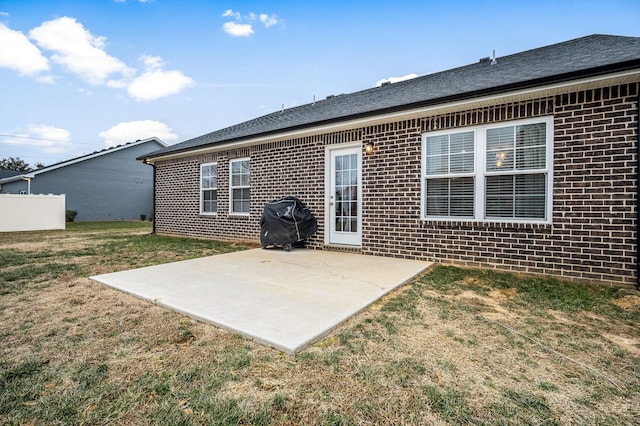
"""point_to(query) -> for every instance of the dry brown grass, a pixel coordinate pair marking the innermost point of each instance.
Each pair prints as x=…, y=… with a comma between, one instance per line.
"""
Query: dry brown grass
x=430, y=353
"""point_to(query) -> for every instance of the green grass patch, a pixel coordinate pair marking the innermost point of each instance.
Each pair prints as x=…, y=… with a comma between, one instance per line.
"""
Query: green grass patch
x=520, y=407
x=108, y=226
x=11, y=258
x=406, y=302
x=333, y=418
x=537, y=294
x=450, y=404
x=16, y=280
x=146, y=249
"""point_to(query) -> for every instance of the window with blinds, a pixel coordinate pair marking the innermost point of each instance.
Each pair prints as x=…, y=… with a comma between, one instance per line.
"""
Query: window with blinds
x=497, y=172
x=449, y=175
x=240, y=186
x=209, y=188
x=516, y=172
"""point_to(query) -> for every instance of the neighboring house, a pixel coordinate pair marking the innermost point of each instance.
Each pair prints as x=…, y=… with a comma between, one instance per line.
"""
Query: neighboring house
x=9, y=173
x=105, y=185
x=527, y=163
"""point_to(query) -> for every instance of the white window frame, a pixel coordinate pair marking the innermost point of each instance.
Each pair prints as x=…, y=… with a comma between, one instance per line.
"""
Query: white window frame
x=202, y=189
x=232, y=187
x=480, y=173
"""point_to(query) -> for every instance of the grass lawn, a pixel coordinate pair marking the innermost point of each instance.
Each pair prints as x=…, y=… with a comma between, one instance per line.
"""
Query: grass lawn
x=454, y=346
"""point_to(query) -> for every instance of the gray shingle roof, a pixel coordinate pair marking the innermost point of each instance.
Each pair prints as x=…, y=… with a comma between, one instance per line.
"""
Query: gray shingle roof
x=591, y=55
x=9, y=173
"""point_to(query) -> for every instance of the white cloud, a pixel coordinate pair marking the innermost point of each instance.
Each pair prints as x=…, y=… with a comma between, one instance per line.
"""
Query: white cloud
x=78, y=50
x=50, y=139
x=152, y=62
x=6, y=14
x=131, y=131
x=156, y=83
x=45, y=79
x=239, y=27
x=237, y=30
x=18, y=53
x=84, y=55
x=396, y=79
x=267, y=20
x=227, y=13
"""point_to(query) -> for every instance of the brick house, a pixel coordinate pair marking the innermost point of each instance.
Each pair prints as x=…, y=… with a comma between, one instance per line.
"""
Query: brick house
x=525, y=163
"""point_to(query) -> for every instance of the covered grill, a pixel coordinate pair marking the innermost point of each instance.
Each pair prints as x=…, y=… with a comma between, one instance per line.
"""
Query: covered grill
x=285, y=222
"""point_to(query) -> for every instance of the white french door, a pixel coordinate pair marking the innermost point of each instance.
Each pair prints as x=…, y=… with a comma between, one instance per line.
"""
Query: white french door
x=344, y=195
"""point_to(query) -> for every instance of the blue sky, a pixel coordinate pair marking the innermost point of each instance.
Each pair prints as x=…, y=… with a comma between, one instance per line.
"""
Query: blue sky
x=79, y=76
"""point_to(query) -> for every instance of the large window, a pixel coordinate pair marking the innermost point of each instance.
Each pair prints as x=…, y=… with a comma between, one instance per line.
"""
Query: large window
x=495, y=172
x=209, y=188
x=240, y=189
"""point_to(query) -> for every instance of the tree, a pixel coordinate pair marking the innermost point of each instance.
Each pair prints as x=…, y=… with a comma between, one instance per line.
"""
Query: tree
x=15, y=164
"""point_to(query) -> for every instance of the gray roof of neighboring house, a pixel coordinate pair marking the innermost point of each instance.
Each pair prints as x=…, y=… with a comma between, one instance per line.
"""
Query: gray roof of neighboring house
x=9, y=173
x=32, y=173
x=587, y=56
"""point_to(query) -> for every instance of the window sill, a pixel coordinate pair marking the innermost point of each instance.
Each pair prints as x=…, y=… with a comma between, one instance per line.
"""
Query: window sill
x=441, y=223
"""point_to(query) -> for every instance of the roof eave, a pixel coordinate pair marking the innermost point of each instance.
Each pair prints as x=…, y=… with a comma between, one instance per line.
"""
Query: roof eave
x=12, y=178
x=492, y=91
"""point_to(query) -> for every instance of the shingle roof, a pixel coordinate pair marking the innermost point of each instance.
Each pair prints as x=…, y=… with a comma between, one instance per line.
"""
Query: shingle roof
x=586, y=56
x=33, y=173
x=9, y=173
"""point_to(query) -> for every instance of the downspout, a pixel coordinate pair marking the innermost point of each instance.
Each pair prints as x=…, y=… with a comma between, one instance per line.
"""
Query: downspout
x=153, y=209
x=637, y=192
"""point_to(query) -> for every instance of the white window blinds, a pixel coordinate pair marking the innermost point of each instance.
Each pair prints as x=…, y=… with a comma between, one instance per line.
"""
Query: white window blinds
x=493, y=172
x=209, y=188
x=240, y=186
x=513, y=156
x=450, y=159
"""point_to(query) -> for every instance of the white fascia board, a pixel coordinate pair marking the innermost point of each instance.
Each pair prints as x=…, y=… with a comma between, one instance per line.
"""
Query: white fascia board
x=463, y=105
x=12, y=178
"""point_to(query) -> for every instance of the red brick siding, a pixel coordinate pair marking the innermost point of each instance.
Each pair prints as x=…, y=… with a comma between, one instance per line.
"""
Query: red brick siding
x=592, y=237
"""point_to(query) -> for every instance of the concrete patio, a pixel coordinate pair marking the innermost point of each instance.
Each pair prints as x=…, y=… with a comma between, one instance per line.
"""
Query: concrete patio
x=286, y=300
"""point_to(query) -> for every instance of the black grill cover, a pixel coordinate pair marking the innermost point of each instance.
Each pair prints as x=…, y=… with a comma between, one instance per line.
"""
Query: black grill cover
x=286, y=221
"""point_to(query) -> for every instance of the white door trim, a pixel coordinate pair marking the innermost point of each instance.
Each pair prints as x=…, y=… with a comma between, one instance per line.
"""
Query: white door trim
x=330, y=234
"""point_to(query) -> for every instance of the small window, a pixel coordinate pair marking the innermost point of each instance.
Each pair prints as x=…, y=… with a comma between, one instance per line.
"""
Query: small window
x=240, y=186
x=209, y=188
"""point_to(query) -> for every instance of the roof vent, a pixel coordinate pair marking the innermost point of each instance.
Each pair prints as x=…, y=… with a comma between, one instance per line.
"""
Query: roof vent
x=330, y=96
x=485, y=60
x=385, y=83
x=494, y=61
